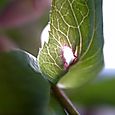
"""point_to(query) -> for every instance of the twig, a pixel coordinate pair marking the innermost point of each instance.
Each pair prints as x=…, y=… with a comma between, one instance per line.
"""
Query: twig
x=64, y=100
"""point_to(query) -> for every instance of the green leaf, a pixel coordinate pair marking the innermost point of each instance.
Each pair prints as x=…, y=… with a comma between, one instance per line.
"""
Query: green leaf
x=99, y=92
x=23, y=90
x=76, y=24
x=54, y=107
x=91, y=59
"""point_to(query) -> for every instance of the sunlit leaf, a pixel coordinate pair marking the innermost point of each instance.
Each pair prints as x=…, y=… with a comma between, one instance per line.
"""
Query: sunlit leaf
x=76, y=24
x=22, y=88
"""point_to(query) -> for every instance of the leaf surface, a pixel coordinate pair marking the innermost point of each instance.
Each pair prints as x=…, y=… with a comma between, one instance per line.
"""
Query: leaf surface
x=91, y=59
x=23, y=90
x=99, y=92
x=76, y=24
x=55, y=107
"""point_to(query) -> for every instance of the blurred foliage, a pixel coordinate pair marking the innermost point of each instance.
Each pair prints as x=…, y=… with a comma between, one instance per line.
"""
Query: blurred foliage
x=24, y=27
x=22, y=89
x=27, y=37
x=54, y=107
x=98, y=92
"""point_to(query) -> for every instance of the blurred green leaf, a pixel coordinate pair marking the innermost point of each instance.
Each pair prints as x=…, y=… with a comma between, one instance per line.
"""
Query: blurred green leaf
x=23, y=90
x=100, y=91
x=77, y=25
x=55, y=108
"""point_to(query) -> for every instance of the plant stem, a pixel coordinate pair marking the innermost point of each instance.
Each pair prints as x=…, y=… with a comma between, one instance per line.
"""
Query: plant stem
x=64, y=100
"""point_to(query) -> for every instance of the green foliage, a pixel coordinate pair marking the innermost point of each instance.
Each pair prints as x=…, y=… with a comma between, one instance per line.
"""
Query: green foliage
x=98, y=92
x=78, y=25
x=54, y=107
x=22, y=89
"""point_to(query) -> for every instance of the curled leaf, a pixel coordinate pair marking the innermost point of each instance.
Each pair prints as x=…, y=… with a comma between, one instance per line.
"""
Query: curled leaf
x=75, y=30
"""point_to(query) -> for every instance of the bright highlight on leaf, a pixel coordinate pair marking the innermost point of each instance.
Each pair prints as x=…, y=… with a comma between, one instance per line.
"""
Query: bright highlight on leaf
x=45, y=35
x=68, y=56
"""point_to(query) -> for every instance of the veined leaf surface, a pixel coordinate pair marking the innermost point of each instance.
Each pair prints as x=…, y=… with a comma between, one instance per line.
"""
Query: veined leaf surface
x=76, y=24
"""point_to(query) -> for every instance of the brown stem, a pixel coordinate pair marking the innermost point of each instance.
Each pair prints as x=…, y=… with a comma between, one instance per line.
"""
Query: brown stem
x=64, y=100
